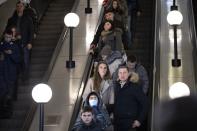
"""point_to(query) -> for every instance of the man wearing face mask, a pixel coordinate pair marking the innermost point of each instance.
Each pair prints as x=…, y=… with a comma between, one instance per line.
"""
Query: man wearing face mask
x=99, y=110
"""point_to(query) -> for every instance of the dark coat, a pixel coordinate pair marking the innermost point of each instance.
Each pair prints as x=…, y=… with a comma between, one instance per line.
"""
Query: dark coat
x=133, y=6
x=92, y=127
x=100, y=112
x=130, y=102
x=116, y=23
x=11, y=61
x=26, y=28
x=3, y=89
x=31, y=12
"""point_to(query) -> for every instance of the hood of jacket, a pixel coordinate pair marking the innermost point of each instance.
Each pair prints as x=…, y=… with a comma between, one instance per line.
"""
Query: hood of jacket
x=100, y=103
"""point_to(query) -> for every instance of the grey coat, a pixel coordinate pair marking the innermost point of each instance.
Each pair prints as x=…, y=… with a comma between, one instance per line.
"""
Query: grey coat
x=106, y=93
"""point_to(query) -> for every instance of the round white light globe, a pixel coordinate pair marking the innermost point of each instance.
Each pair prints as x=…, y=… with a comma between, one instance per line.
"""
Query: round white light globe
x=71, y=20
x=174, y=17
x=41, y=93
x=179, y=89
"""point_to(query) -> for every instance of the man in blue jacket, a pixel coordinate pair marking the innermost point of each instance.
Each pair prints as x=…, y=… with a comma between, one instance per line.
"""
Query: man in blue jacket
x=87, y=121
x=130, y=107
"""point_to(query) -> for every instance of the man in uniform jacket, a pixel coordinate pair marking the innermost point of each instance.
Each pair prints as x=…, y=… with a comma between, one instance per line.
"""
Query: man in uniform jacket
x=130, y=103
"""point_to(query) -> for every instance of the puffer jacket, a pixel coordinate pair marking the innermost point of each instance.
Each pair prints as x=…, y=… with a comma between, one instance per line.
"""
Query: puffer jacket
x=101, y=117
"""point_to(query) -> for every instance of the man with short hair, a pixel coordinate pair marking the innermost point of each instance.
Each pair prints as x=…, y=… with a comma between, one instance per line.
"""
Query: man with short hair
x=130, y=106
x=88, y=124
x=25, y=30
x=135, y=66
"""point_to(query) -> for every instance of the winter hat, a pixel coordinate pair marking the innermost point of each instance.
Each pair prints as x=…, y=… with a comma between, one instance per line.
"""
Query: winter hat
x=106, y=50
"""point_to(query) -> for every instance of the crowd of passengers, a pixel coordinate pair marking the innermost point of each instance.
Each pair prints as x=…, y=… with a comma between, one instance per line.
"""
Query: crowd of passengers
x=15, y=50
x=115, y=97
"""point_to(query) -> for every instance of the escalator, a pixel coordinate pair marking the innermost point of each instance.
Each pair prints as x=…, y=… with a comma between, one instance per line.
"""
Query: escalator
x=143, y=47
x=50, y=29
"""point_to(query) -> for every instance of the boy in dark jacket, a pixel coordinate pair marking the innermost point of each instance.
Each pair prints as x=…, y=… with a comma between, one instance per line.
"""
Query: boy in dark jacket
x=101, y=115
x=11, y=60
x=88, y=124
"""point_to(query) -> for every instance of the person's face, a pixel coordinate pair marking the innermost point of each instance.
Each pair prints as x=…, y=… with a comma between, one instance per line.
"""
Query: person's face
x=123, y=74
x=115, y=4
x=14, y=31
x=20, y=7
x=8, y=37
x=102, y=69
x=93, y=97
x=107, y=26
x=109, y=16
x=87, y=117
x=131, y=65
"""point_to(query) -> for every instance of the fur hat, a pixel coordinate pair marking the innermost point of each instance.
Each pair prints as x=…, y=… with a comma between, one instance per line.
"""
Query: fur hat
x=134, y=77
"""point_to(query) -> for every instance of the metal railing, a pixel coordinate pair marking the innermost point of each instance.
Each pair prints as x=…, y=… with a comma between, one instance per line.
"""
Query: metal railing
x=64, y=34
x=85, y=77
x=156, y=69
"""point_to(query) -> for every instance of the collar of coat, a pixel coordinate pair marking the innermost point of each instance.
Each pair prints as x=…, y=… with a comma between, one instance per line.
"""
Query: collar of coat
x=105, y=33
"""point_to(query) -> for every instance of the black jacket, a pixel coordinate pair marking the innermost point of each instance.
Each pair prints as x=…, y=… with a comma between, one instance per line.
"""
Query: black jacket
x=26, y=27
x=92, y=127
x=130, y=102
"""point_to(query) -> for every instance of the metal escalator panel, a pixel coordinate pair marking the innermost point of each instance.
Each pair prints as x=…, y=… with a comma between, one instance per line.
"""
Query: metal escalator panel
x=165, y=74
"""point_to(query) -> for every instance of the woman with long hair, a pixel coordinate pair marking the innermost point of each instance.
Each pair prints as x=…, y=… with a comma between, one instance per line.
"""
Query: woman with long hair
x=101, y=83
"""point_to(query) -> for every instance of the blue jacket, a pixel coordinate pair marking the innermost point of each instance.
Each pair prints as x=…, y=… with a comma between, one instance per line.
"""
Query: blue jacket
x=11, y=61
x=144, y=81
x=101, y=114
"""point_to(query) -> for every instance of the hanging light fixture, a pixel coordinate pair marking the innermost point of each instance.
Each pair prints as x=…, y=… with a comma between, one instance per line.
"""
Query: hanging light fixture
x=175, y=18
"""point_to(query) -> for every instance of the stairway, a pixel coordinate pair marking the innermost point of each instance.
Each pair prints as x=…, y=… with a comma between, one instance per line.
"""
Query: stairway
x=50, y=28
x=143, y=46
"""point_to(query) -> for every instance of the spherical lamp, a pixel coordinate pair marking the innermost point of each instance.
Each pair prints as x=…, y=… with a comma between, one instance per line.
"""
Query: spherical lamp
x=41, y=93
x=179, y=89
x=174, y=17
x=71, y=20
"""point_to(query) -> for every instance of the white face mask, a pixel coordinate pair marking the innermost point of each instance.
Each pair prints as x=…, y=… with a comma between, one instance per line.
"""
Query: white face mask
x=93, y=102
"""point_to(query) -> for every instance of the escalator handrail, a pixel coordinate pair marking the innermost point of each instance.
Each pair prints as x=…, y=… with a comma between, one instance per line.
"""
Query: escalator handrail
x=85, y=77
x=64, y=34
x=193, y=36
x=156, y=68
x=152, y=57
